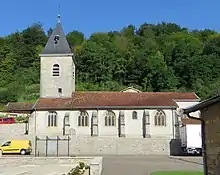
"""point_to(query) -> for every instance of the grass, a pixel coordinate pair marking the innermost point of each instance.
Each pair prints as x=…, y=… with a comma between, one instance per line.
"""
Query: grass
x=177, y=173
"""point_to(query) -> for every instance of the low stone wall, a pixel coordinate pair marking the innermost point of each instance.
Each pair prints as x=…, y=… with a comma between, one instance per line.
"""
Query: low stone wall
x=87, y=145
x=105, y=146
x=12, y=131
x=95, y=163
x=119, y=146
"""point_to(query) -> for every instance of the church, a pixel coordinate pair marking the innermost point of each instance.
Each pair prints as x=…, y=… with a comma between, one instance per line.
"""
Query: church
x=128, y=122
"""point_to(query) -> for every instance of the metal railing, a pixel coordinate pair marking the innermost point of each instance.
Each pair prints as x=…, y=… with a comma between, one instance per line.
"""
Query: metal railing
x=45, y=141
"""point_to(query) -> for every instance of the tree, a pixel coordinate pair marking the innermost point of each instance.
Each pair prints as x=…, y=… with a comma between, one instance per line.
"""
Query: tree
x=75, y=38
x=162, y=57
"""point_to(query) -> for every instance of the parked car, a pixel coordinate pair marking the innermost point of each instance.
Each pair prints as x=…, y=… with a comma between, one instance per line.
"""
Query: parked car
x=7, y=120
x=16, y=146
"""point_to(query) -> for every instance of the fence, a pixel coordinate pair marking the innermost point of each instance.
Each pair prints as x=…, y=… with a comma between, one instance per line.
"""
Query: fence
x=52, y=146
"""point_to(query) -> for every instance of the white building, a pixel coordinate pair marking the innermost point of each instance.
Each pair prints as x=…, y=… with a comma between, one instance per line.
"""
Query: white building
x=132, y=122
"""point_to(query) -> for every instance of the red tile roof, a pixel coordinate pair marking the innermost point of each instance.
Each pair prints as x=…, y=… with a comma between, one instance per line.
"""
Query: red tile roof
x=18, y=107
x=115, y=100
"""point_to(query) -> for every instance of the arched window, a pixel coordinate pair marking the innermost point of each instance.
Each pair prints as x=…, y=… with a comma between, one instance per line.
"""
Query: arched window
x=134, y=115
x=160, y=118
x=110, y=119
x=83, y=119
x=56, y=70
x=52, y=119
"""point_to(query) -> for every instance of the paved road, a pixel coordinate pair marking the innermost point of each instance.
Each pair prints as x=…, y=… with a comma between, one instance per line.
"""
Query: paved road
x=112, y=165
x=144, y=165
x=17, y=168
x=35, y=170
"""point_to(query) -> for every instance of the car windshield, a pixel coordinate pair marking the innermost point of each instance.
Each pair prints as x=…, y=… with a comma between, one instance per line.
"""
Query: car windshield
x=6, y=143
x=3, y=143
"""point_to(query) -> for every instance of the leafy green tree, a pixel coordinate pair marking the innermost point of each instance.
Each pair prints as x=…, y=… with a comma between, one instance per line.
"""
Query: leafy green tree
x=8, y=95
x=152, y=57
x=75, y=38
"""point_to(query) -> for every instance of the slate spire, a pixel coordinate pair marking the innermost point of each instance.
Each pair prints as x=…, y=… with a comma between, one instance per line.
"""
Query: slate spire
x=57, y=43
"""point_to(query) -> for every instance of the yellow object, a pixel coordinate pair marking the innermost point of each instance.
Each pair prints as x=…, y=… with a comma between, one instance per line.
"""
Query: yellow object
x=16, y=146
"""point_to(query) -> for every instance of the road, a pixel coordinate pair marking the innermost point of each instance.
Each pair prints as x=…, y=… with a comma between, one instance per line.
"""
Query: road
x=144, y=165
x=112, y=165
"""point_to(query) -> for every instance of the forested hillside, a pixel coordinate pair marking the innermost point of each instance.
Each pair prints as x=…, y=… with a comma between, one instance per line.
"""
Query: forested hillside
x=163, y=57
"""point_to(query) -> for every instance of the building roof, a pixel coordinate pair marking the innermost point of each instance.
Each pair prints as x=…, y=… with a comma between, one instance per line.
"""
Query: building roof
x=19, y=107
x=57, y=48
x=107, y=100
x=202, y=104
x=190, y=121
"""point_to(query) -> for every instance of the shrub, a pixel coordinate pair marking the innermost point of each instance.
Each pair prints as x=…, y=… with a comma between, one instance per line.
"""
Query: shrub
x=21, y=119
x=78, y=170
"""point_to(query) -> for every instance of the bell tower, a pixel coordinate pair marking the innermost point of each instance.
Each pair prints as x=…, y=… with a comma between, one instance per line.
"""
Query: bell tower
x=57, y=72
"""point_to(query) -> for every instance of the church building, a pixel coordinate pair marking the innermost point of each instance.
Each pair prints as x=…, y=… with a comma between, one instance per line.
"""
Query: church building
x=126, y=122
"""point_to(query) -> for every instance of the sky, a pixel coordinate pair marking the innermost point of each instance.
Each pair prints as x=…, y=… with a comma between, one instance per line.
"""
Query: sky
x=89, y=16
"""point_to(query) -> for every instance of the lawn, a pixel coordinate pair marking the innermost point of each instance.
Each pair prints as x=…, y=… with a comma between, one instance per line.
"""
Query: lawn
x=177, y=173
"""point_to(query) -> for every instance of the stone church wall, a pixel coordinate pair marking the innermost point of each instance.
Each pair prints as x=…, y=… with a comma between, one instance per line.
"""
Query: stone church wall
x=87, y=145
x=106, y=146
x=120, y=146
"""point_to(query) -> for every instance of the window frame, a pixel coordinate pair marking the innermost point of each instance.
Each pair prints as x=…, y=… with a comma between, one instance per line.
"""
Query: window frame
x=52, y=119
x=60, y=90
x=56, y=70
x=160, y=120
x=134, y=115
x=83, y=119
x=110, y=119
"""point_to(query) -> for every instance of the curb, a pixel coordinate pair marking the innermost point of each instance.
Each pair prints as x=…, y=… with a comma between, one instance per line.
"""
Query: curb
x=181, y=159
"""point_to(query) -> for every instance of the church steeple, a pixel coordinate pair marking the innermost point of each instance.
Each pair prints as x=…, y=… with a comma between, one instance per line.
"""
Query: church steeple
x=57, y=43
x=57, y=75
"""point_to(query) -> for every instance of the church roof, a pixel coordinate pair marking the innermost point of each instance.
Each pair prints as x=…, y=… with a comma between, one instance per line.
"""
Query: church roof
x=105, y=100
x=116, y=100
x=57, y=43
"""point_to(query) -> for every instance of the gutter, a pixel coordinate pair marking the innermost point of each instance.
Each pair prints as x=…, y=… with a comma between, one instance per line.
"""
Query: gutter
x=204, y=153
x=187, y=100
x=108, y=107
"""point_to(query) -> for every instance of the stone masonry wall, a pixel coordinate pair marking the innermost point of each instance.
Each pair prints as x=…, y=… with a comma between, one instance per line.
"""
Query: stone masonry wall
x=86, y=145
x=12, y=131
x=106, y=146
x=212, y=134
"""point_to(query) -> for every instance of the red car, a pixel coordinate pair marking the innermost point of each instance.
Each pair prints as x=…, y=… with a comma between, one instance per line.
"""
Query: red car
x=9, y=120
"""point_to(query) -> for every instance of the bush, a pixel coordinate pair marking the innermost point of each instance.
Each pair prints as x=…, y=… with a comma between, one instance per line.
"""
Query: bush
x=21, y=119
x=79, y=170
